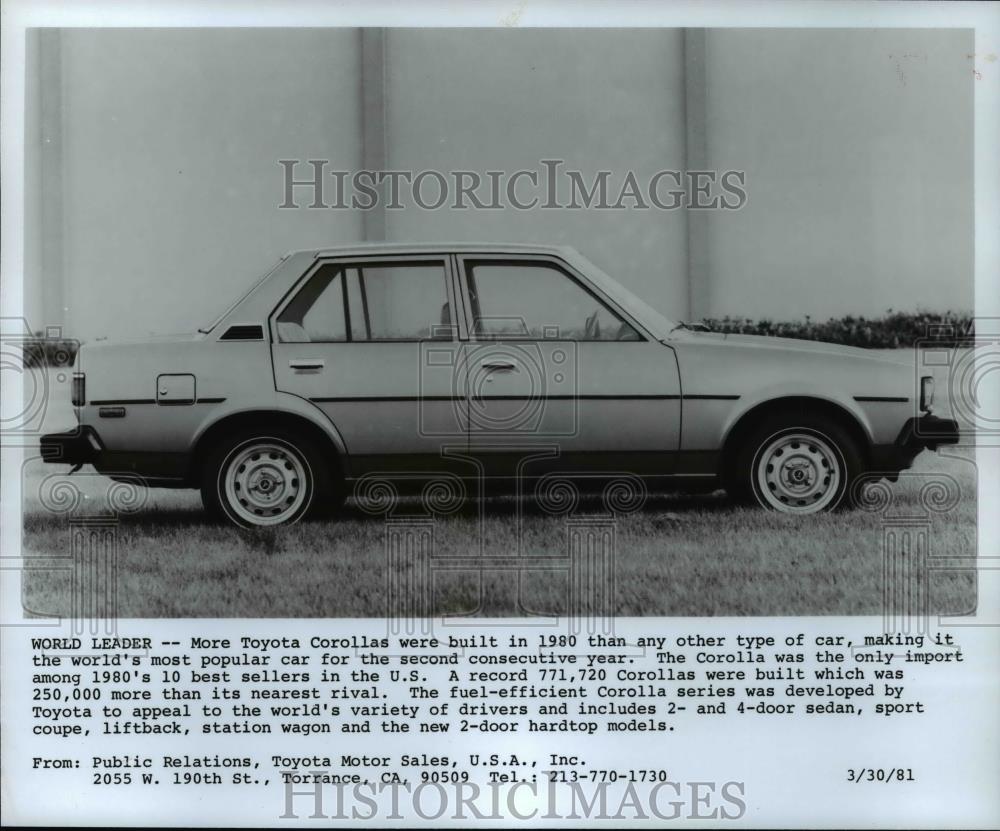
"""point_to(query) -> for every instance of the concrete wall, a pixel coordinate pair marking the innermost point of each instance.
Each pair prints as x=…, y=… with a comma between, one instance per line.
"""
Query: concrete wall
x=170, y=182
x=858, y=151
x=505, y=100
x=153, y=179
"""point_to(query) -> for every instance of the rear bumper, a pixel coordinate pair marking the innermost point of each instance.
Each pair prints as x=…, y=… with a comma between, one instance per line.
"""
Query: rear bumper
x=74, y=447
x=926, y=432
x=84, y=447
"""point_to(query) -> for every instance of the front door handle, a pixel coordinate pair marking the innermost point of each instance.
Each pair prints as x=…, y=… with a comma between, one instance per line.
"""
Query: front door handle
x=307, y=363
x=499, y=366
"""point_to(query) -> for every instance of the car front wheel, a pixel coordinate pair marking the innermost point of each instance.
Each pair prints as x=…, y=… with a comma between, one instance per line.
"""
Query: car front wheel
x=798, y=465
x=263, y=479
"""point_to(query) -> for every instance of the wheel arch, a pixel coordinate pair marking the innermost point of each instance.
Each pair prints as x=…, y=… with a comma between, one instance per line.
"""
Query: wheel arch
x=334, y=454
x=749, y=420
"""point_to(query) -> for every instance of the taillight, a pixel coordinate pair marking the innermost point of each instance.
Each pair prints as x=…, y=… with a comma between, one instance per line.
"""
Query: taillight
x=79, y=391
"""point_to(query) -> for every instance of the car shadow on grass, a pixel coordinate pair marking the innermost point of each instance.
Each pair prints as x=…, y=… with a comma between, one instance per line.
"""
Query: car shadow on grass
x=405, y=507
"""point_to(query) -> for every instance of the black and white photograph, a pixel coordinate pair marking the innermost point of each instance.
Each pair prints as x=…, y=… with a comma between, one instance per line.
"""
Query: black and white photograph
x=686, y=311
x=660, y=339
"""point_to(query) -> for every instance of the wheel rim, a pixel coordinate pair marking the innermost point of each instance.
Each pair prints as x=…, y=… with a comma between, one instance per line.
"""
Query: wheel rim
x=265, y=482
x=799, y=472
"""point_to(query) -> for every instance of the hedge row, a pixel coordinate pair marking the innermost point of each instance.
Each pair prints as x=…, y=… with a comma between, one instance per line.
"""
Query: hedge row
x=891, y=331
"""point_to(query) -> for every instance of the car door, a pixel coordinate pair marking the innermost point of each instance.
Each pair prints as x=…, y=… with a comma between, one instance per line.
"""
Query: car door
x=558, y=373
x=372, y=341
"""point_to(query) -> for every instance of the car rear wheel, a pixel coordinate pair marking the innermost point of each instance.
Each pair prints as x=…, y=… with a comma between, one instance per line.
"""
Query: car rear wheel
x=265, y=479
x=797, y=465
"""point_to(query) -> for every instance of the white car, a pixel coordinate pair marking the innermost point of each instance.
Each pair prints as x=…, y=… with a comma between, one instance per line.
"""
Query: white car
x=503, y=364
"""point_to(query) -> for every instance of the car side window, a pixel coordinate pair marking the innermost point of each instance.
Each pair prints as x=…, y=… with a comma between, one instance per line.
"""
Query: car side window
x=317, y=312
x=538, y=300
x=374, y=301
x=397, y=301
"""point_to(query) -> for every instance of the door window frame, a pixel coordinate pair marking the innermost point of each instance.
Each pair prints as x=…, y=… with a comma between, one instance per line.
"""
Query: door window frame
x=445, y=260
x=464, y=276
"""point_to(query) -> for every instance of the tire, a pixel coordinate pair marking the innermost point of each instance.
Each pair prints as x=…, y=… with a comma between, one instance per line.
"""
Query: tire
x=796, y=464
x=265, y=478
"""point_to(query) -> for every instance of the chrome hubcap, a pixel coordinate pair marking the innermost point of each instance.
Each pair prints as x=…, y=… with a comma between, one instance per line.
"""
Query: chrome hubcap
x=265, y=482
x=798, y=473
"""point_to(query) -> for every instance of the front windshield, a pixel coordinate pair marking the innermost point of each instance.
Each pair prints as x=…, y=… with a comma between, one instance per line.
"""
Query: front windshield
x=657, y=323
x=206, y=329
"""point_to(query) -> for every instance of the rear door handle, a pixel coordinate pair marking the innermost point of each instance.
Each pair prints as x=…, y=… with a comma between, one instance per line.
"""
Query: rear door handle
x=307, y=363
x=499, y=366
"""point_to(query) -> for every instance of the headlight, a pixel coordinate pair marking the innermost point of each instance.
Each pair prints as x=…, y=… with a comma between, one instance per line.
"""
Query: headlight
x=926, y=393
x=79, y=390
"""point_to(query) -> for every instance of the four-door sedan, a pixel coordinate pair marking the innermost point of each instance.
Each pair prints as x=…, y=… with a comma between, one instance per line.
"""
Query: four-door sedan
x=503, y=365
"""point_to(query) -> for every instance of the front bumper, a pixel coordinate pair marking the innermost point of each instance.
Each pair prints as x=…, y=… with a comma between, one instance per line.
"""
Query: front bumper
x=74, y=447
x=919, y=433
x=928, y=431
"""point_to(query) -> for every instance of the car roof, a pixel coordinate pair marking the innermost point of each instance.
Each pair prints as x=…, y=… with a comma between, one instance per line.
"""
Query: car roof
x=260, y=300
x=437, y=247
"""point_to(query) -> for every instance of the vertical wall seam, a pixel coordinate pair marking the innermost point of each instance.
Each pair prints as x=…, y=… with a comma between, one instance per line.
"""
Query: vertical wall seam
x=696, y=158
x=52, y=219
x=373, y=124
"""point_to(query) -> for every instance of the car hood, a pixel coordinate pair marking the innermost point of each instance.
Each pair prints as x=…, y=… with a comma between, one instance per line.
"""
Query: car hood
x=768, y=342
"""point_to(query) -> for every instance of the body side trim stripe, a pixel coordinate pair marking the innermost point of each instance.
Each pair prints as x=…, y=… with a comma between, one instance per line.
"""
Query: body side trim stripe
x=363, y=399
x=133, y=401
x=884, y=398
